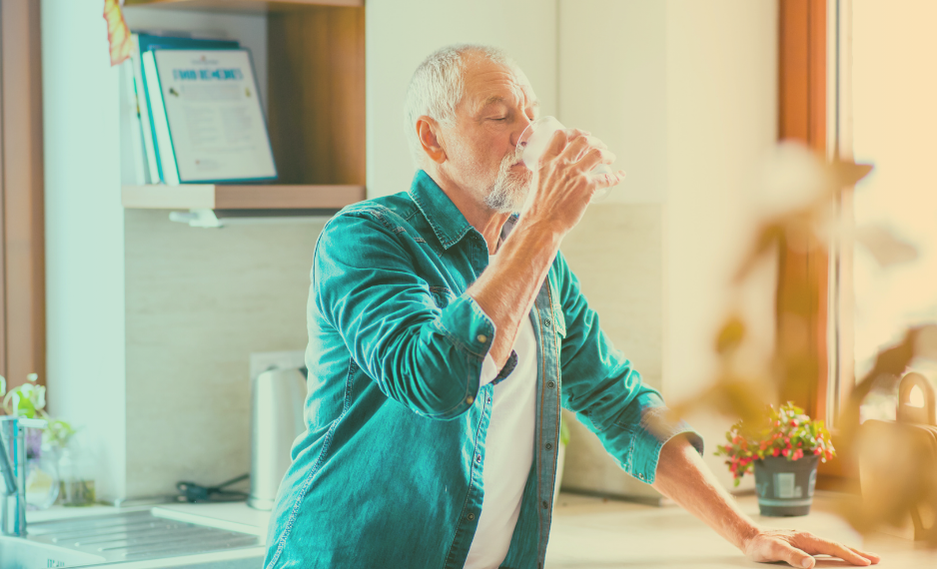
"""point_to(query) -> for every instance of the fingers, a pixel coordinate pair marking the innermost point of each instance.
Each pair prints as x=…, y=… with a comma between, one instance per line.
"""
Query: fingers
x=581, y=145
x=817, y=545
x=796, y=549
x=557, y=144
x=795, y=557
x=595, y=156
x=608, y=180
x=868, y=555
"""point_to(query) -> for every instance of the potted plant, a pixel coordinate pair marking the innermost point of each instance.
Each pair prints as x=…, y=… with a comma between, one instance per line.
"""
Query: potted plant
x=784, y=451
x=44, y=448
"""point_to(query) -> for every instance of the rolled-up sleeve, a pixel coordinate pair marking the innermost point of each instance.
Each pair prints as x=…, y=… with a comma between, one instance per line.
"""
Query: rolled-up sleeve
x=422, y=352
x=605, y=391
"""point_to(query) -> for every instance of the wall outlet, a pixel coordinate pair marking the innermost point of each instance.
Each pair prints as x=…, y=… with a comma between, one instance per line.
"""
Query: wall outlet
x=264, y=361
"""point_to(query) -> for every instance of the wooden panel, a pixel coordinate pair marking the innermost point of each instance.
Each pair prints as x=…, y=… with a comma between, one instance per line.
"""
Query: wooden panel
x=201, y=196
x=282, y=197
x=243, y=5
x=210, y=196
x=802, y=69
x=22, y=179
x=316, y=95
x=803, y=273
x=3, y=273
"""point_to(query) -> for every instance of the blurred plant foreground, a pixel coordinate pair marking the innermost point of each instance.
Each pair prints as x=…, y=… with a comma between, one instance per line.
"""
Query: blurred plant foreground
x=808, y=222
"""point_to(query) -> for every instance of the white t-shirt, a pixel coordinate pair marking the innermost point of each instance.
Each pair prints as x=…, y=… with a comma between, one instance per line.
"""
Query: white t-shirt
x=509, y=452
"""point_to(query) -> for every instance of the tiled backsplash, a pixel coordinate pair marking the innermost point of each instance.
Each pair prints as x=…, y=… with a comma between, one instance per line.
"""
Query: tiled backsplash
x=199, y=301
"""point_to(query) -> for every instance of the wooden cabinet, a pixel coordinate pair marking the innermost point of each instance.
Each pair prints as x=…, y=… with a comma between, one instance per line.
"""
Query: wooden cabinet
x=315, y=109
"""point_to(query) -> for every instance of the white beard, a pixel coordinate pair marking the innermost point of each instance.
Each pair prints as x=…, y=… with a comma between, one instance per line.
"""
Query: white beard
x=510, y=189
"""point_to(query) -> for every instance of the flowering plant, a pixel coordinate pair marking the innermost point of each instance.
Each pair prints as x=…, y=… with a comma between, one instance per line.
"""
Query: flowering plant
x=787, y=432
x=29, y=401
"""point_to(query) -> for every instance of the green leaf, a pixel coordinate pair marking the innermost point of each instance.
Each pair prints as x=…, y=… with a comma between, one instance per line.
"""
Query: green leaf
x=564, y=432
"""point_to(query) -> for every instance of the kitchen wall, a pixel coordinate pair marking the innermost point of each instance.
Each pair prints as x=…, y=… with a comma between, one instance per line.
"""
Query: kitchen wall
x=198, y=303
x=685, y=93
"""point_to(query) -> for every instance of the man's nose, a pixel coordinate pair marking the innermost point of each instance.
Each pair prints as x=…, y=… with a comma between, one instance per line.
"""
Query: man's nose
x=521, y=126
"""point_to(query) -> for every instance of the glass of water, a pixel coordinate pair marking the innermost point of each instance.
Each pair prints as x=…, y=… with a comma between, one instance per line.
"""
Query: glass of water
x=535, y=139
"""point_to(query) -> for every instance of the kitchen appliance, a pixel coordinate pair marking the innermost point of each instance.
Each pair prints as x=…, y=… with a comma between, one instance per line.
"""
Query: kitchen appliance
x=277, y=401
x=906, y=445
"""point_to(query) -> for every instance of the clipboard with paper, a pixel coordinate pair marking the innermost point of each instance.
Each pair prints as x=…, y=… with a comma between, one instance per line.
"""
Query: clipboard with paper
x=208, y=117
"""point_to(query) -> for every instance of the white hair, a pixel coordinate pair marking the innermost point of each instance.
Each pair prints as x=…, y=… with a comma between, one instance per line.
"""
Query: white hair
x=437, y=87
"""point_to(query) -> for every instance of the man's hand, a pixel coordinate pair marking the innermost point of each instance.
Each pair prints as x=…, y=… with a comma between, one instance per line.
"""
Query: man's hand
x=563, y=185
x=798, y=547
x=684, y=477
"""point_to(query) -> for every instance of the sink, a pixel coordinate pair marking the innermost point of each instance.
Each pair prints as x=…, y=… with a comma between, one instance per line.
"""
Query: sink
x=114, y=538
x=16, y=553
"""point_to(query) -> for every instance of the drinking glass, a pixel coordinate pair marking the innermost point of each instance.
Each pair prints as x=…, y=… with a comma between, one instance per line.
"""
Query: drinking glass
x=535, y=139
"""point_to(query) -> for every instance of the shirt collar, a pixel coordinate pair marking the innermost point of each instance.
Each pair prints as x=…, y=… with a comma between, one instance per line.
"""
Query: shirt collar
x=448, y=223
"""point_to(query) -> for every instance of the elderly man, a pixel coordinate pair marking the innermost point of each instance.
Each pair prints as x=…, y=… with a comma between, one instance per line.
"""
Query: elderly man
x=444, y=334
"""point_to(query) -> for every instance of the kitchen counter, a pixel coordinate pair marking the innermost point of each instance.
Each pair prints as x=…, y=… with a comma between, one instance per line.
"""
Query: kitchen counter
x=593, y=533
x=587, y=533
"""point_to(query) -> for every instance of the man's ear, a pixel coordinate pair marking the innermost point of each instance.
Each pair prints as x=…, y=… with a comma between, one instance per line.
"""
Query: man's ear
x=427, y=129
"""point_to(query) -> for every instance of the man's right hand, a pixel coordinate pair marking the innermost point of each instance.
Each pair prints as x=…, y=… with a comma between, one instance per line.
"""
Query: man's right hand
x=560, y=192
x=562, y=185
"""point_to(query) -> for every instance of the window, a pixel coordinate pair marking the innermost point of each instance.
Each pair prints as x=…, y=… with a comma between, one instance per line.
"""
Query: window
x=889, y=116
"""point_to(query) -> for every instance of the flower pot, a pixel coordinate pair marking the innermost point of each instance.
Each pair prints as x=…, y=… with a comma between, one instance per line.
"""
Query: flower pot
x=785, y=488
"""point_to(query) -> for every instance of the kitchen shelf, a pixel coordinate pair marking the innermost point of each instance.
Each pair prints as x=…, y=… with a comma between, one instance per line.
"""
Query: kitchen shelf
x=243, y=5
x=315, y=108
x=217, y=196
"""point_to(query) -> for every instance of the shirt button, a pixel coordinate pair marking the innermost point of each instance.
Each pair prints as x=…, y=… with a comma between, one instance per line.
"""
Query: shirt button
x=478, y=458
x=545, y=505
x=547, y=322
x=471, y=516
x=549, y=446
x=641, y=476
x=550, y=384
x=482, y=338
x=469, y=399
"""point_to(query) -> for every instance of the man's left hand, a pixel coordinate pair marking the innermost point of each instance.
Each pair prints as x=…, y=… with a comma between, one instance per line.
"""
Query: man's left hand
x=798, y=547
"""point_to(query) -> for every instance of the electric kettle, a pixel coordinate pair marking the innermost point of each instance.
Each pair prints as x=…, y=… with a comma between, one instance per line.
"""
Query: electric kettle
x=277, y=401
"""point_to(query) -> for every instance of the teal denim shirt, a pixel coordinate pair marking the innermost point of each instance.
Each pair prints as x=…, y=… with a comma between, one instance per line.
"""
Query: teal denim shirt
x=389, y=471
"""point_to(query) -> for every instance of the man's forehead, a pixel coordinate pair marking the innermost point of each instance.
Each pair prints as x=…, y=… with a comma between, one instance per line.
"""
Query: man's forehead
x=488, y=82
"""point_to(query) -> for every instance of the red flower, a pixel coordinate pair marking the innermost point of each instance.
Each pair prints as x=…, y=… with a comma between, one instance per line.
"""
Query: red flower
x=776, y=451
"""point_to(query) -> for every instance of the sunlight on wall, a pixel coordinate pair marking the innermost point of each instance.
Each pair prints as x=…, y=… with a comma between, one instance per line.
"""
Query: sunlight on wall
x=894, y=118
